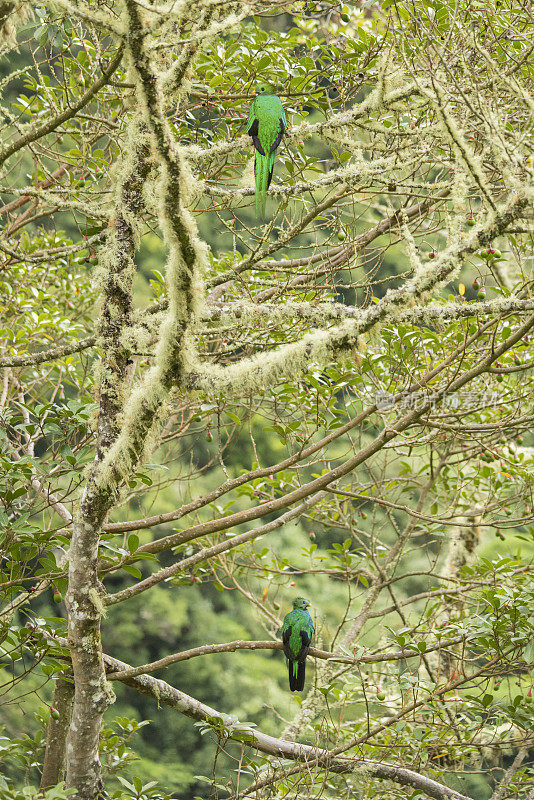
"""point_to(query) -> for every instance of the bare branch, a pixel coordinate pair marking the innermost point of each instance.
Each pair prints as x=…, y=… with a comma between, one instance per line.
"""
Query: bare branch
x=231, y=647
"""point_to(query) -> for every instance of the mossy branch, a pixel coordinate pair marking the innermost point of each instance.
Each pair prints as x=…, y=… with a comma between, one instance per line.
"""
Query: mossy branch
x=305, y=129
x=256, y=373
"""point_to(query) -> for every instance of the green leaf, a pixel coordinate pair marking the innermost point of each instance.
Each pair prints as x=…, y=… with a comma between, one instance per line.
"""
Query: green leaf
x=132, y=570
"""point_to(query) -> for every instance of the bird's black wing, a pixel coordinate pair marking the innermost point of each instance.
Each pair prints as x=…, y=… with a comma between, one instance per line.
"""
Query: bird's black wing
x=305, y=649
x=281, y=131
x=296, y=684
x=285, y=642
x=253, y=132
x=277, y=141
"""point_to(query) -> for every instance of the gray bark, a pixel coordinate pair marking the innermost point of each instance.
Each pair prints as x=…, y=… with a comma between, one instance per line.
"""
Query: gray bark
x=56, y=732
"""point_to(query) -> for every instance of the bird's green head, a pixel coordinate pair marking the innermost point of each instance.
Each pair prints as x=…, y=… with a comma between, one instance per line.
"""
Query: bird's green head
x=301, y=602
x=263, y=87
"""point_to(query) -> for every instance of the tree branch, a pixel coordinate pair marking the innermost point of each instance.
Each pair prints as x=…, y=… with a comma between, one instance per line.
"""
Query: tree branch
x=234, y=483
x=51, y=125
x=48, y=355
x=56, y=733
x=164, y=693
x=211, y=552
x=20, y=201
x=231, y=647
x=318, y=313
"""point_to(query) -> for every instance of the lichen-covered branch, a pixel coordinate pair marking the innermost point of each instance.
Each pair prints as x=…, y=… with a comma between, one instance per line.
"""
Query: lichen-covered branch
x=52, y=354
x=320, y=313
x=45, y=184
x=305, y=129
x=313, y=313
x=252, y=374
x=122, y=433
x=184, y=267
x=92, y=693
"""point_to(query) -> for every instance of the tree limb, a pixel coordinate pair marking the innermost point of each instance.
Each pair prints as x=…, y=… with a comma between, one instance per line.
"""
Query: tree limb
x=68, y=113
x=270, y=745
x=231, y=647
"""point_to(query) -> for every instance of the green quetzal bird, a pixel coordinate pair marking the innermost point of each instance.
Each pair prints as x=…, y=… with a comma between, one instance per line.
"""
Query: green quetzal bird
x=297, y=632
x=266, y=125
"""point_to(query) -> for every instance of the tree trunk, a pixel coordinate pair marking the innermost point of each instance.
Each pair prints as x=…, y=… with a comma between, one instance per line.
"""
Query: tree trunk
x=92, y=693
x=56, y=732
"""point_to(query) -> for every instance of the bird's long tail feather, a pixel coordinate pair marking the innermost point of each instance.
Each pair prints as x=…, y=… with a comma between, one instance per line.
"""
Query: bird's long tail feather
x=263, y=167
x=297, y=675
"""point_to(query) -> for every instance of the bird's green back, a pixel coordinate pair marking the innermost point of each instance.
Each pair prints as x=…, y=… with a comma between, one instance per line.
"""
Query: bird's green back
x=298, y=620
x=266, y=125
x=268, y=110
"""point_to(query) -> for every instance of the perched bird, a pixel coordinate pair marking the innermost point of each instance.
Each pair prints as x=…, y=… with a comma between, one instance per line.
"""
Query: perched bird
x=297, y=632
x=266, y=125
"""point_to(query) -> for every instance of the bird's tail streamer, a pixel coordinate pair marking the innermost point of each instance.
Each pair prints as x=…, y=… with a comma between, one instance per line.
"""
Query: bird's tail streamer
x=263, y=169
x=297, y=675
